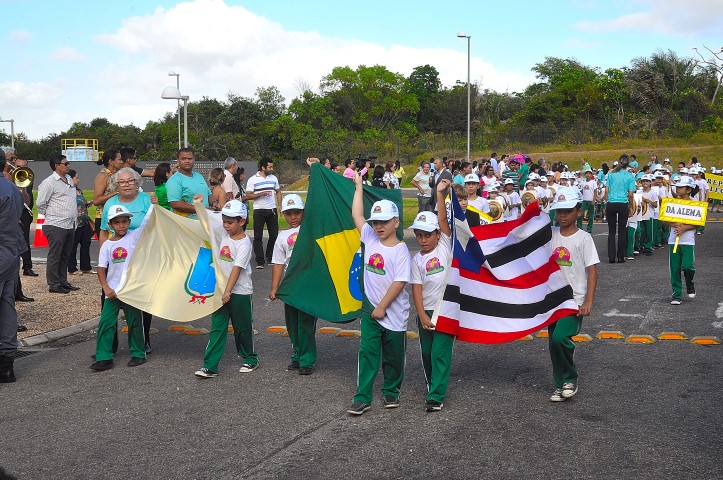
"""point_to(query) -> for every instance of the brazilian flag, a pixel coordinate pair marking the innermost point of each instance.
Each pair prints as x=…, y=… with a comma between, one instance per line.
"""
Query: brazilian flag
x=324, y=273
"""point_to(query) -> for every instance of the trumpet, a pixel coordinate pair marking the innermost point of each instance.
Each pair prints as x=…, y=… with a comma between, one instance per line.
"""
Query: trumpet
x=22, y=176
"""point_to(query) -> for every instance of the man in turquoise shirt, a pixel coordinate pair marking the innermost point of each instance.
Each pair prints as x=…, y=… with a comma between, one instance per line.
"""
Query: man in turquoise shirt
x=184, y=184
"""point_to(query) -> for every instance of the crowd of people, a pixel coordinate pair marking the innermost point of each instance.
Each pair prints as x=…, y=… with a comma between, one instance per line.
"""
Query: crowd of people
x=489, y=191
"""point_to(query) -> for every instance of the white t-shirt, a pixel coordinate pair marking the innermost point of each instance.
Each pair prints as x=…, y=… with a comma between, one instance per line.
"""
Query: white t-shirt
x=383, y=266
x=651, y=195
x=423, y=181
x=114, y=254
x=513, y=199
x=574, y=254
x=284, y=246
x=233, y=253
x=430, y=270
x=480, y=204
x=229, y=184
x=588, y=190
x=259, y=184
x=688, y=238
x=703, y=192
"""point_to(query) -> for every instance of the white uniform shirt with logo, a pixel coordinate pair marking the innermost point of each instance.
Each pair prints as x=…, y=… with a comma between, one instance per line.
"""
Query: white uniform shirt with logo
x=382, y=266
x=480, y=204
x=574, y=254
x=233, y=253
x=430, y=271
x=259, y=184
x=588, y=190
x=703, y=192
x=652, y=196
x=284, y=247
x=115, y=254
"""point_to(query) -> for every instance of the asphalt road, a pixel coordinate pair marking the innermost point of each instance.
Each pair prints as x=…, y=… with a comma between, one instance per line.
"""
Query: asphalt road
x=643, y=411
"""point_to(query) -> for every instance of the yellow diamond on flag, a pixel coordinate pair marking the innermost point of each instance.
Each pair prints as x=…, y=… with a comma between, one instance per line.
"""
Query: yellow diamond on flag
x=339, y=251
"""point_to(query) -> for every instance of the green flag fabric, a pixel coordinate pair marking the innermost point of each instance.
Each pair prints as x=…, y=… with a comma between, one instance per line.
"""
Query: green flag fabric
x=324, y=274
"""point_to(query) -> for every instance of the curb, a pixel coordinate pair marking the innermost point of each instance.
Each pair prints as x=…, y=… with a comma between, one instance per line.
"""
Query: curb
x=61, y=333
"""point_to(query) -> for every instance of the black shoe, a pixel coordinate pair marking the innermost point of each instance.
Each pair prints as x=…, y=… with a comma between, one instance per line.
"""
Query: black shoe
x=434, y=406
x=148, y=348
x=612, y=260
x=58, y=290
x=306, y=370
x=621, y=260
x=22, y=328
x=101, y=365
x=24, y=298
x=135, y=361
x=357, y=408
x=7, y=374
x=390, y=402
x=71, y=287
x=292, y=366
x=30, y=273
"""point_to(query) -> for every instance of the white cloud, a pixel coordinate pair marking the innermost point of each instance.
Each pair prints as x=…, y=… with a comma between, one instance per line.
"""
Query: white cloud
x=20, y=36
x=665, y=16
x=21, y=95
x=67, y=54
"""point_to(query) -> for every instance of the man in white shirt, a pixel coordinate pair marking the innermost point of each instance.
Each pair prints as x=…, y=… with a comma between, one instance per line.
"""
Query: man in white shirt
x=230, y=165
x=57, y=202
x=263, y=188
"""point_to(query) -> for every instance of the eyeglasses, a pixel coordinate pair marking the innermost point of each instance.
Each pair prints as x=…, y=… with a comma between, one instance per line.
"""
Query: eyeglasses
x=64, y=163
x=124, y=183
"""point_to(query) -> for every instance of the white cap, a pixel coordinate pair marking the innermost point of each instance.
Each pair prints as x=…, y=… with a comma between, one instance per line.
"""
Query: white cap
x=509, y=181
x=648, y=177
x=543, y=179
x=683, y=170
x=550, y=174
x=685, y=182
x=426, y=221
x=234, y=208
x=292, y=202
x=659, y=174
x=471, y=178
x=118, y=211
x=566, y=197
x=384, y=210
x=694, y=171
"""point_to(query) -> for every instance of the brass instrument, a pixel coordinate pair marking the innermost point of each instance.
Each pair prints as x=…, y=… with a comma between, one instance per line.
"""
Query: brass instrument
x=553, y=190
x=633, y=208
x=22, y=176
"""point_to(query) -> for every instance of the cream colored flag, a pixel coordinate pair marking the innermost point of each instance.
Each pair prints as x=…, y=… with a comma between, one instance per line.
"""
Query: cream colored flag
x=171, y=272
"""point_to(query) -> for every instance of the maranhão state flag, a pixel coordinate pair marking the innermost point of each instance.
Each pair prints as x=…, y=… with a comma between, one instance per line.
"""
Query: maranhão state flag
x=504, y=282
x=324, y=274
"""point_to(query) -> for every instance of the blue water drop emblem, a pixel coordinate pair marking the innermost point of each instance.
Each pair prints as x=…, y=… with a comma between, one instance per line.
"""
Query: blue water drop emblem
x=354, y=272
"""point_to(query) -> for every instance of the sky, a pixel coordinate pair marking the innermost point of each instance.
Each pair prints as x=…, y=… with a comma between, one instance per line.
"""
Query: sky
x=77, y=60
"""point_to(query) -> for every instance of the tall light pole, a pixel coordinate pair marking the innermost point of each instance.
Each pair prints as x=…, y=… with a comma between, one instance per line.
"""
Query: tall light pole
x=469, y=89
x=178, y=107
x=173, y=93
x=12, y=131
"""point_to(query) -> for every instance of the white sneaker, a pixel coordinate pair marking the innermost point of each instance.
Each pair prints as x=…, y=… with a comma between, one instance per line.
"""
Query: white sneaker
x=248, y=368
x=205, y=373
x=676, y=301
x=691, y=295
x=557, y=396
x=569, y=389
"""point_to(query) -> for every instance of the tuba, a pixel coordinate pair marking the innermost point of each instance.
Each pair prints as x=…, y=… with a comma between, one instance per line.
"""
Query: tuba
x=632, y=207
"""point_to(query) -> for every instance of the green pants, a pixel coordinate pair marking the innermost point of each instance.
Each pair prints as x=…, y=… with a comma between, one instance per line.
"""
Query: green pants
x=107, y=330
x=657, y=232
x=683, y=259
x=562, y=349
x=588, y=207
x=646, y=234
x=379, y=344
x=638, y=235
x=631, y=240
x=239, y=310
x=437, y=360
x=302, y=333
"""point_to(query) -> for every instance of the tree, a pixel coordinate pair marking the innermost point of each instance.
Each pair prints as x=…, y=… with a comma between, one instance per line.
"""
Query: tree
x=424, y=83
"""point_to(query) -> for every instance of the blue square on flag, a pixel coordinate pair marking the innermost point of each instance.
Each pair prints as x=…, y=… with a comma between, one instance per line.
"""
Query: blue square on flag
x=467, y=249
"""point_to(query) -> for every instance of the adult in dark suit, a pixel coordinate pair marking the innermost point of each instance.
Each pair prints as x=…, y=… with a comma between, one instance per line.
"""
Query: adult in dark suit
x=11, y=245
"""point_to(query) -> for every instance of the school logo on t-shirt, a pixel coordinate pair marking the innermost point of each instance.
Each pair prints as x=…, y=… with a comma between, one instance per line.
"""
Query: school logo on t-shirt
x=433, y=266
x=291, y=241
x=376, y=264
x=225, y=254
x=119, y=255
x=562, y=257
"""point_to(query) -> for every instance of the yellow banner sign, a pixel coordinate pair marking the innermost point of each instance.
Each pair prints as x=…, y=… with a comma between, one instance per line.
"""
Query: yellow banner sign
x=715, y=183
x=689, y=212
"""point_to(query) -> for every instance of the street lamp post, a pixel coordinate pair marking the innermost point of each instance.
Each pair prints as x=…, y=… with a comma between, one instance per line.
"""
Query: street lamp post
x=12, y=131
x=173, y=93
x=178, y=102
x=469, y=89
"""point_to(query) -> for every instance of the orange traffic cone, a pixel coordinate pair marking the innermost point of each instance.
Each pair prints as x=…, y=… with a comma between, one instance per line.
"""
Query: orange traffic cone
x=40, y=239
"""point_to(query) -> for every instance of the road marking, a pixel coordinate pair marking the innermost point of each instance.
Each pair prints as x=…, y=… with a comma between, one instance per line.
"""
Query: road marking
x=719, y=311
x=717, y=324
x=616, y=313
